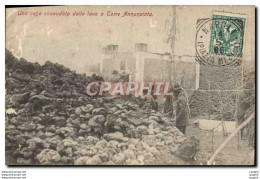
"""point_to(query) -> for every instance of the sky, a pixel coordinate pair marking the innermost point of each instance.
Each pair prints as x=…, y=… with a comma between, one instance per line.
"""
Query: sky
x=76, y=41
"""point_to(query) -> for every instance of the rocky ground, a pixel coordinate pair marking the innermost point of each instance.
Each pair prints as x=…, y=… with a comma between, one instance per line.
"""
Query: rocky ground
x=50, y=121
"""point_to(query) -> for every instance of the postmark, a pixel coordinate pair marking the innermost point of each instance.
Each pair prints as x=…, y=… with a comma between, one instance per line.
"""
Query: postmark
x=220, y=40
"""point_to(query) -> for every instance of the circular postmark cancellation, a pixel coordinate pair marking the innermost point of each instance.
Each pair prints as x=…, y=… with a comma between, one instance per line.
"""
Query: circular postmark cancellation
x=219, y=41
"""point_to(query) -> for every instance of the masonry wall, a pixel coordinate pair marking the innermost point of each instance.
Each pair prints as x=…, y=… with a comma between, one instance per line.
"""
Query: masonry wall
x=119, y=62
x=221, y=81
x=223, y=78
x=153, y=69
x=107, y=67
x=145, y=66
x=185, y=73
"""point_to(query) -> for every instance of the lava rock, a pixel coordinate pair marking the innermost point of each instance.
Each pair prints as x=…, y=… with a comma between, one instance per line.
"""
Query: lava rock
x=48, y=157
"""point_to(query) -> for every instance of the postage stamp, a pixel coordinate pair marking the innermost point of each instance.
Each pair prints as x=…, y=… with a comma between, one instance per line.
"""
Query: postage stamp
x=227, y=34
x=219, y=40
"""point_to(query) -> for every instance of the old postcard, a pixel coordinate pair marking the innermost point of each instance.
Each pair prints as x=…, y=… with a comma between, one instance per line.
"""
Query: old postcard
x=130, y=85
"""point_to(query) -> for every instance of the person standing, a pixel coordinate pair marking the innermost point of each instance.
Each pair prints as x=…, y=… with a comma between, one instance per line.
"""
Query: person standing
x=243, y=105
x=182, y=112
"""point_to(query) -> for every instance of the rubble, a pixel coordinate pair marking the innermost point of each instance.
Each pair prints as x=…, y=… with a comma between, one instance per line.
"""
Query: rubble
x=188, y=149
x=57, y=124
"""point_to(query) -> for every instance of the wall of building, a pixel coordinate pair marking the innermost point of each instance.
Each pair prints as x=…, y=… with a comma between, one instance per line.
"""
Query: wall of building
x=121, y=62
x=143, y=66
x=107, y=66
x=222, y=78
x=186, y=74
x=152, y=66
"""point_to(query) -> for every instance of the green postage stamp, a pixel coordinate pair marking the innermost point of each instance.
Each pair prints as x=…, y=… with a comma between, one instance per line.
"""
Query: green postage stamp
x=227, y=35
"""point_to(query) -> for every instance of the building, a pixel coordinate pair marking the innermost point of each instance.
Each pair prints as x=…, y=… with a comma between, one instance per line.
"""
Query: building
x=143, y=66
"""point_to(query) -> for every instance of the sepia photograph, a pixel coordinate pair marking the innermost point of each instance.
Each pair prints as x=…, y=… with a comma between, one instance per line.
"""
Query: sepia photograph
x=116, y=85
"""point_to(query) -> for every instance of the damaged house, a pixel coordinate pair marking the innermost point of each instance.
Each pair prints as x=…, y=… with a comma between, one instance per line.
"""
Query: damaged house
x=144, y=66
